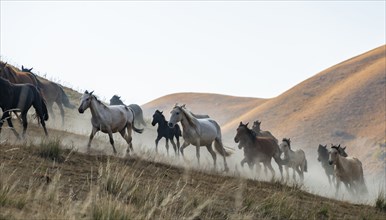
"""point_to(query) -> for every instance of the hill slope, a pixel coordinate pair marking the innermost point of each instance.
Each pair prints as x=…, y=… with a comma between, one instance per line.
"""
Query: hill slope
x=344, y=104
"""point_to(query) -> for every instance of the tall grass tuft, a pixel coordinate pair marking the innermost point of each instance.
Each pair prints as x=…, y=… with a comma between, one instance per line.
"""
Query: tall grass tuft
x=51, y=149
x=380, y=202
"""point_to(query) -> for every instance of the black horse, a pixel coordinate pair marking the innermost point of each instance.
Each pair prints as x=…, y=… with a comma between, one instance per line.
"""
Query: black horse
x=165, y=131
x=20, y=97
x=138, y=114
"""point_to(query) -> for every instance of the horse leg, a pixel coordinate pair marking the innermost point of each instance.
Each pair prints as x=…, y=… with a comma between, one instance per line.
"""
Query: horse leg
x=167, y=145
x=268, y=164
x=286, y=167
x=112, y=141
x=243, y=161
x=93, y=132
x=25, y=123
x=126, y=137
x=278, y=161
x=337, y=187
x=198, y=154
x=214, y=156
x=184, y=145
x=129, y=136
x=6, y=116
x=178, y=144
x=174, y=145
x=156, y=143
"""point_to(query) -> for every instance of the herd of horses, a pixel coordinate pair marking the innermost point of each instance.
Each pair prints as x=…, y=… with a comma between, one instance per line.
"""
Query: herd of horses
x=19, y=90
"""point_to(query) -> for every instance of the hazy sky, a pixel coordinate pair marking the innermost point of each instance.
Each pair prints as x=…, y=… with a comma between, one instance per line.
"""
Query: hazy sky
x=144, y=50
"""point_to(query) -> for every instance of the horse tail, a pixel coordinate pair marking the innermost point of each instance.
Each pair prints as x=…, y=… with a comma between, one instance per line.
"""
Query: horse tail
x=44, y=108
x=362, y=180
x=65, y=100
x=218, y=145
x=40, y=104
x=220, y=148
x=132, y=122
x=138, y=113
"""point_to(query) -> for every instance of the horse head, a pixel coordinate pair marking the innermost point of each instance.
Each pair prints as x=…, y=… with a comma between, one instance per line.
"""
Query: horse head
x=85, y=101
x=176, y=115
x=241, y=131
x=334, y=155
x=285, y=145
x=256, y=126
x=23, y=69
x=157, y=117
x=322, y=152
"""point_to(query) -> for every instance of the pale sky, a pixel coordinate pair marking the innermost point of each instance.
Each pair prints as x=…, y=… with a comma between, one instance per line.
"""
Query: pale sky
x=144, y=50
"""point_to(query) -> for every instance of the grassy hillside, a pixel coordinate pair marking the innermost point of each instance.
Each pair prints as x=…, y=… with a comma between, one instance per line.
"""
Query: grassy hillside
x=66, y=184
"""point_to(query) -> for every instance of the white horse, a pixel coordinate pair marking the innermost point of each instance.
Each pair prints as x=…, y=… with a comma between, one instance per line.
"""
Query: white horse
x=109, y=119
x=198, y=132
x=295, y=159
x=347, y=170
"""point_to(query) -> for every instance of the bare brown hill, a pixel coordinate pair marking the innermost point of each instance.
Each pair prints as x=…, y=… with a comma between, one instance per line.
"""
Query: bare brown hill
x=223, y=108
x=344, y=104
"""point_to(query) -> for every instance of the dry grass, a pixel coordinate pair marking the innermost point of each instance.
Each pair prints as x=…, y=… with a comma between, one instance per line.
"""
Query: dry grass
x=102, y=187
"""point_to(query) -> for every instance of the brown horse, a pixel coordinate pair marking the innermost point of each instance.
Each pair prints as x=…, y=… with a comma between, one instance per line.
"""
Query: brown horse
x=15, y=76
x=52, y=93
x=258, y=149
x=256, y=128
x=349, y=171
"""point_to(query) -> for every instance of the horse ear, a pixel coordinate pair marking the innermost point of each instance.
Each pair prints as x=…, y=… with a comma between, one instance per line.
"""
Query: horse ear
x=246, y=125
x=91, y=92
x=344, y=148
x=22, y=67
x=86, y=92
x=162, y=112
x=183, y=106
x=176, y=104
x=241, y=123
x=30, y=69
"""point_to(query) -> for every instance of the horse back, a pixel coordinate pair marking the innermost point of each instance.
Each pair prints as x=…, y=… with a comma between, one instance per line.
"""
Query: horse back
x=268, y=145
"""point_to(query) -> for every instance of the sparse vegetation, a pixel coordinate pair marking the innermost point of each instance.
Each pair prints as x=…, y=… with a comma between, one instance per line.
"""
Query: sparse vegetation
x=51, y=149
x=380, y=202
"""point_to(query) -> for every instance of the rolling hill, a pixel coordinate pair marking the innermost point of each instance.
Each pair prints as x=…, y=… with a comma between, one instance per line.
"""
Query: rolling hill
x=344, y=104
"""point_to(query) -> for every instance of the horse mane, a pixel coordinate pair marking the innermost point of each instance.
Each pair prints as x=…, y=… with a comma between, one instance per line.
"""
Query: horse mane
x=100, y=102
x=191, y=119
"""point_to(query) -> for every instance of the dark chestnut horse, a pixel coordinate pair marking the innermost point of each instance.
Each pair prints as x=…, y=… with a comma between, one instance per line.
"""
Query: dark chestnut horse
x=17, y=77
x=258, y=149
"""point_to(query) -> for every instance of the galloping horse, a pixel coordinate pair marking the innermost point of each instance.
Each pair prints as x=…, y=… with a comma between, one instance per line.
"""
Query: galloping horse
x=256, y=128
x=15, y=76
x=52, y=93
x=349, y=171
x=198, y=132
x=138, y=114
x=258, y=149
x=296, y=159
x=164, y=131
x=109, y=119
x=323, y=155
x=20, y=97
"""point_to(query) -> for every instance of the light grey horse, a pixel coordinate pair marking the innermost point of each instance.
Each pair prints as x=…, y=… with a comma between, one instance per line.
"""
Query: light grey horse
x=109, y=119
x=295, y=159
x=138, y=113
x=198, y=132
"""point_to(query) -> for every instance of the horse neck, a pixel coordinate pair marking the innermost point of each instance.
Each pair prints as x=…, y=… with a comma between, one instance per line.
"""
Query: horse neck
x=190, y=122
x=163, y=123
x=95, y=108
